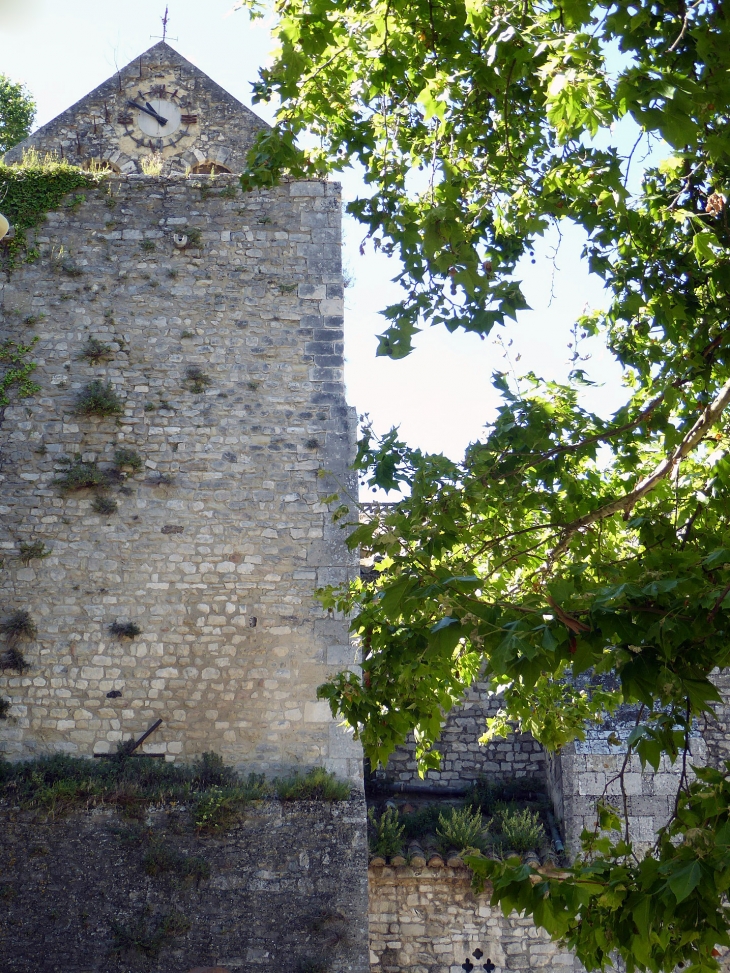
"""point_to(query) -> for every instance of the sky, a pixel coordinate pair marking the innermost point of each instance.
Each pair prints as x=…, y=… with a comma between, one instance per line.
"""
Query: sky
x=442, y=395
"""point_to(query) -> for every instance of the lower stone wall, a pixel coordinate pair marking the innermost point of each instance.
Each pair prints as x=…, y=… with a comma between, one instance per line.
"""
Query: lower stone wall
x=428, y=920
x=716, y=731
x=287, y=890
x=585, y=771
x=464, y=758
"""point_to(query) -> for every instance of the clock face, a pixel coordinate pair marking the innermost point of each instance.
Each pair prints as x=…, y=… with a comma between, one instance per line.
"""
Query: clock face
x=158, y=117
x=159, y=110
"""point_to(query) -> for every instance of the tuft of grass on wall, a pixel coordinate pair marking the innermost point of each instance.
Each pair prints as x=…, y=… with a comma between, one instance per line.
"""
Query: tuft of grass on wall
x=33, y=551
x=160, y=859
x=317, y=784
x=217, y=808
x=146, y=935
x=95, y=351
x=80, y=476
x=127, y=459
x=125, y=630
x=104, y=505
x=196, y=379
x=19, y=625
x=214, y=792
x=98, y=399
x=12, y=658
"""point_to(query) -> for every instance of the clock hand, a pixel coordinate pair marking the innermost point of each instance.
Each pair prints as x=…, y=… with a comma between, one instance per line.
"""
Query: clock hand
x=134, y=104
x=160, y=119
x=148, y=111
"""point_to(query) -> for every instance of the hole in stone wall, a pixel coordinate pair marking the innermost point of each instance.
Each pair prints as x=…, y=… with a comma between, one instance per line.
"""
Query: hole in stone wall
x=209, y=169
x=468, y=966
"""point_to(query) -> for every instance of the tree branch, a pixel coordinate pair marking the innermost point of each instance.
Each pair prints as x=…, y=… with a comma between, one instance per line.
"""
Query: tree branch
x=707, y=418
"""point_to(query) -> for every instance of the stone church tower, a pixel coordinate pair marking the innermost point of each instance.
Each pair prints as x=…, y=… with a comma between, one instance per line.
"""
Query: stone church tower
x=186, y=530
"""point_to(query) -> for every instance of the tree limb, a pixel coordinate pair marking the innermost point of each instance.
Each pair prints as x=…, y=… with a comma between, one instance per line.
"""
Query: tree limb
x=707, y=418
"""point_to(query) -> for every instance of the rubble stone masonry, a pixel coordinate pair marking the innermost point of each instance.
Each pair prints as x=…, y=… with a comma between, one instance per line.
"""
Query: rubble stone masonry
x=219, y=541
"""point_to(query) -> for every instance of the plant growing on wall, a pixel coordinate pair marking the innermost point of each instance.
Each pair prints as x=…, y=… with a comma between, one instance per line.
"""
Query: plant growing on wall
x=461, y=828
x=80, y=475
x=32, y=188
x=16, y=627
x=127, y=459
x=385, y=833
x=15, y=372
x=521, y=830
x=98, y=399
x=19, y=625
x=318, y=784
x=95, y=351
x=196, y=379
x=12, y=658
x=160, y=859
x=148, y=936
x=33, y=551
x=125, y=630
x=104, y=505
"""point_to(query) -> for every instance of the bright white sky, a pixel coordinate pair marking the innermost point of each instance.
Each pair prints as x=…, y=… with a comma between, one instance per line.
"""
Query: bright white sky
x=442, y=395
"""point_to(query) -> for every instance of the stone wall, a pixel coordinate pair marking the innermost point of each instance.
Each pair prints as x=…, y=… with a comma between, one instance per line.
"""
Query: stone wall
x=464, y=758
x=219, y=541
x=716, y=731
x=102, y=128
x=428, y=920
x=585, y=771
x=287, y=887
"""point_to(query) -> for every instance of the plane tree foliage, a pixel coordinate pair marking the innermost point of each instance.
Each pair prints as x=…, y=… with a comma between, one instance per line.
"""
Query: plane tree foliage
x=17, y=111
x=574, y=561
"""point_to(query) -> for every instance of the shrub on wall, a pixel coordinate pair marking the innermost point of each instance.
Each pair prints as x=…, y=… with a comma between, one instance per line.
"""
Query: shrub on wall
x=80, y=476
x=98, y=399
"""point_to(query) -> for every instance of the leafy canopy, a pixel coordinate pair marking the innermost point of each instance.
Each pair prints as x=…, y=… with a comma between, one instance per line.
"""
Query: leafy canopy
x=575, y=561
x=17, y=111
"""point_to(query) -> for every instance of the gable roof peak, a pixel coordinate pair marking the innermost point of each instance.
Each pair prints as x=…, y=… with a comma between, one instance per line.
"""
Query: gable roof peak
x=206, y=128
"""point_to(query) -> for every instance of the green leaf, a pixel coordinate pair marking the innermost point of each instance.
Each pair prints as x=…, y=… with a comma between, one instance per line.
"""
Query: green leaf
x=683, y=881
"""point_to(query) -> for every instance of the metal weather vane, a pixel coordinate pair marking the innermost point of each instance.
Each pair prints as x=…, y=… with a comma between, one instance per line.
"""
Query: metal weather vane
x=165, y=20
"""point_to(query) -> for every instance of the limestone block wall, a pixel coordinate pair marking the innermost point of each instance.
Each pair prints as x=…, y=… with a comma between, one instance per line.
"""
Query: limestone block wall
x=429, y=919
x=716, y=731
x=220, y=539
x=464, y=758
x=285, y=889
x=585, y=771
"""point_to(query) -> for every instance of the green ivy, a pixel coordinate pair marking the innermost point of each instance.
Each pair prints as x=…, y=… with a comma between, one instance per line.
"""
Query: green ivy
x=32, y=188
x=16, y=372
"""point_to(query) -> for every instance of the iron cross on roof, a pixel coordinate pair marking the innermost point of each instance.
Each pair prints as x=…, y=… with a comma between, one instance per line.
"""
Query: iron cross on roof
x=165, y=20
